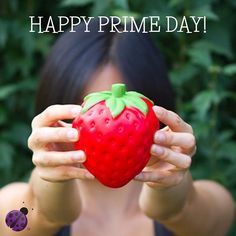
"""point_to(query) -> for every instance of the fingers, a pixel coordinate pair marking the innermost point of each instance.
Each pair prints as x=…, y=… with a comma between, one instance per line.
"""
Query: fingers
x=160, y=178
x=61, y=123
x=180, y=160
x=172, y=120
x=62, y=173
x=50, y=159
x=171, y=152
x=54, y=113
x=181, y=135
x=41, y=136
x=51, y=140
x=184, y=140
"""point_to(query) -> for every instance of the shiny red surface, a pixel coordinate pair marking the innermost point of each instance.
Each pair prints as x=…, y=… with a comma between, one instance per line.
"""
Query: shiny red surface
x=116, y=149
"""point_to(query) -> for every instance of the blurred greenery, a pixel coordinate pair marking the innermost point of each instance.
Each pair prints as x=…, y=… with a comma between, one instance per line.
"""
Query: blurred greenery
x=202, y=67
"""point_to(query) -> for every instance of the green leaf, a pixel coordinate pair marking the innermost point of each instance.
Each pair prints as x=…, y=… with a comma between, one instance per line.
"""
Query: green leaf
x=136, y=102
x=123, y=4
x=3, y=34
x=91, y=101
x=117, y=99
x=229, y=69
x=7, y=90
x=204, y=10
x=182, y=74
x=219, y=38
x=136, y=94
x=224, y=136
x=203, y=101
x=199, y=54
x=227, y=150
x=69, y=3
x=200, y=127
x=105, y=93
x=174, y=3
x=42, y=44
x=21, y=133
x=10, y=89
x=101, y=7
x=120, y=13
x=3, y=115
x=208, y=46
x=115, y=105
x=6, y=154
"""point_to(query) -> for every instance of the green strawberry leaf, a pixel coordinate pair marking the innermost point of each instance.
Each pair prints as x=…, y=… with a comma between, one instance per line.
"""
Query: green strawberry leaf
x=116, y=100
x=137, y=102
x=136, y=94
x=115, y=105
x=92, y=100
x=105, y=93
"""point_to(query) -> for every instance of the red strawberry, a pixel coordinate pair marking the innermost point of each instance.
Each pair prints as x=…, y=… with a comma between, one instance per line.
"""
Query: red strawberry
x=116, y=132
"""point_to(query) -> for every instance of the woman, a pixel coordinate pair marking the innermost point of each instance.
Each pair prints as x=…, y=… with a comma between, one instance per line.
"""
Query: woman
x=64, y=199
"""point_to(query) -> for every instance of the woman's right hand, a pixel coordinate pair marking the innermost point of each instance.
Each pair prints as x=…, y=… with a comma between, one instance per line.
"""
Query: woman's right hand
x=52, y=141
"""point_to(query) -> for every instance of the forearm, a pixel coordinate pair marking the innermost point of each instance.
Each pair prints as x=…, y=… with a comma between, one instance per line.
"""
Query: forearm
x=191, y=208
x=58, y=202
x=162, y=203
x=208, y=211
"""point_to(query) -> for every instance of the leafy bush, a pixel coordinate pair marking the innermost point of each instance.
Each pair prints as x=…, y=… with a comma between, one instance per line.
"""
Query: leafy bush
x=202, y=68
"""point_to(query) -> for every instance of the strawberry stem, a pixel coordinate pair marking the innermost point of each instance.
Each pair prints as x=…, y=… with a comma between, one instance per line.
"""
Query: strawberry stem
x=118, y=90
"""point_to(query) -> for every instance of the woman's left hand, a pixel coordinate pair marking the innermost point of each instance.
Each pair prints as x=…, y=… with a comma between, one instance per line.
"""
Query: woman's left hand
x=171, y=152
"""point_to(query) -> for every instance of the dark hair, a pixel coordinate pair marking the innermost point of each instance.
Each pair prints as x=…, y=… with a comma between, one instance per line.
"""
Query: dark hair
x=76, y=56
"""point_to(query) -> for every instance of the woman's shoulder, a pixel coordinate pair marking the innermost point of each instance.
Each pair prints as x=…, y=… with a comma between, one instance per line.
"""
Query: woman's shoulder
x=11, y=194
x=15, y=196
x=11, y=198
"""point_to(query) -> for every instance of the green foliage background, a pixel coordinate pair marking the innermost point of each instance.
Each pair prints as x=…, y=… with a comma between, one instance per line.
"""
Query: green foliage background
x=202, y=68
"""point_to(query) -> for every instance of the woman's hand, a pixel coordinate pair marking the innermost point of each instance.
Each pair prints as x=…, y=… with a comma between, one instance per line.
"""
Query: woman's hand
x=171, y=152
x=52, y=140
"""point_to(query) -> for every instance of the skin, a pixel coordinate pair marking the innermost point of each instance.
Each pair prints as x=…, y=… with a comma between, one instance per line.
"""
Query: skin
x=60, y=191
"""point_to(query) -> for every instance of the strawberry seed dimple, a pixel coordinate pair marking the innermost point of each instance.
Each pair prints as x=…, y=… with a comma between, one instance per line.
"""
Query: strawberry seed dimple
x=100, y=112
x=92, y=124
x=120, y=129
x=128, y=116
x=113, y=145
x=135, y=125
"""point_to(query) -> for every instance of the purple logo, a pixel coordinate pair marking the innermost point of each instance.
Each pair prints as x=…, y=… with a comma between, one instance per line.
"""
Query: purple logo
x=17, y=220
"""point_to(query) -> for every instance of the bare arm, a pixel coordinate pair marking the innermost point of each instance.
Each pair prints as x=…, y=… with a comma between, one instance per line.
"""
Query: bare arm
x=58, y=202
x=52, y=190
x=200, y=208
x=170, y=196
x=15, y=196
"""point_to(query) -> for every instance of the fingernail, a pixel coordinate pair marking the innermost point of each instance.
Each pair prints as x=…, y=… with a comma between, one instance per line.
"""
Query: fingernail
x=72, y=134
x=160, y=137
x=157, y=149
x=75, y=111
x=78, y=156
x=158, y=110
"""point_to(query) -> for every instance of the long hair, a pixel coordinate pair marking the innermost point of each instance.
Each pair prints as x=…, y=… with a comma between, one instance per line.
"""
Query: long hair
x=76, y=56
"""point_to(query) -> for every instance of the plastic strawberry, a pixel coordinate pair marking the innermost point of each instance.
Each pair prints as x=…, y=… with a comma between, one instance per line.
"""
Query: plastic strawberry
x=116, y=132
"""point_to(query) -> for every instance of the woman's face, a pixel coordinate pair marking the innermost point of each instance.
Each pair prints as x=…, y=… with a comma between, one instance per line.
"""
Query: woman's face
x=103, y=79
